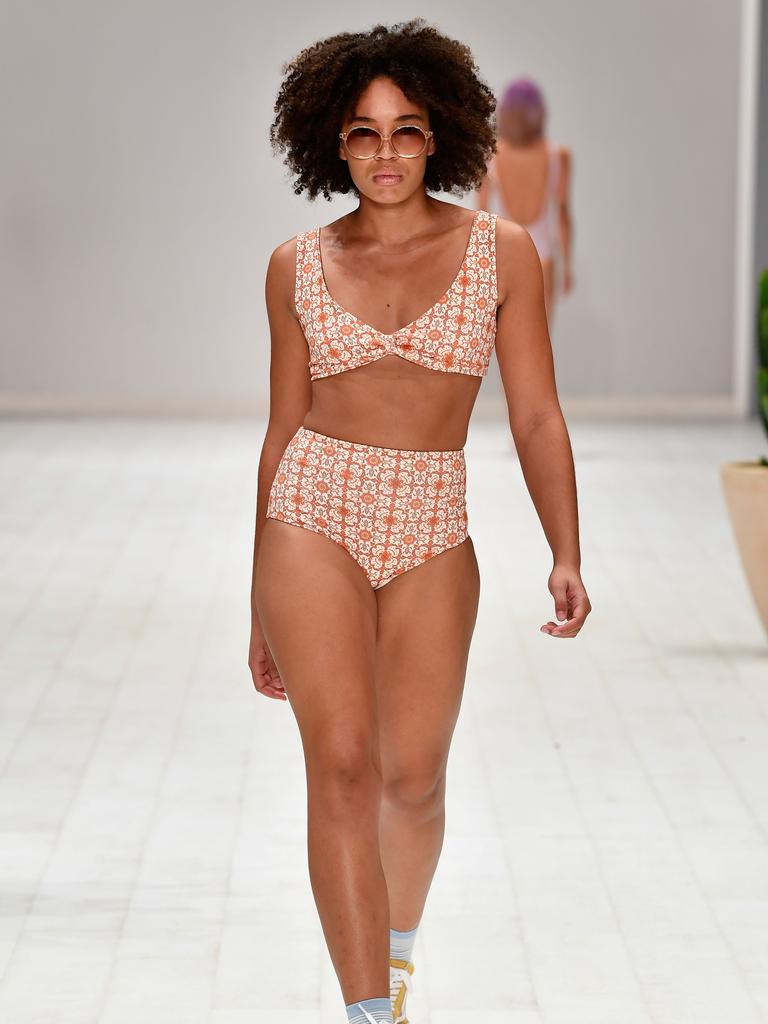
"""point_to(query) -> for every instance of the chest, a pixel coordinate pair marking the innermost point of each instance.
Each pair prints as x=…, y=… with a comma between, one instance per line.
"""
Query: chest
x=443, y=319
x=389, y=290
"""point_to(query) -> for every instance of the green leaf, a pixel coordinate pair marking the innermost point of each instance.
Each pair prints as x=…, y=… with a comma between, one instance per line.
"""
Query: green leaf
x=763, y=292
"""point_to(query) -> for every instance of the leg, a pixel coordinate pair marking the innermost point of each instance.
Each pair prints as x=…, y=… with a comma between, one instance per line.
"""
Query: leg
x=426, y=621
x=318, y=613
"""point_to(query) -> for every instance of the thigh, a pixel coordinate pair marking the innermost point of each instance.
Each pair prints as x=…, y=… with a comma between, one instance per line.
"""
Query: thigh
x=318, y=613
x=426, y=621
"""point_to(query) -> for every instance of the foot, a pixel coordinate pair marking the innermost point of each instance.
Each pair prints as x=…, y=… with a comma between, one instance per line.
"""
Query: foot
x=400, y=985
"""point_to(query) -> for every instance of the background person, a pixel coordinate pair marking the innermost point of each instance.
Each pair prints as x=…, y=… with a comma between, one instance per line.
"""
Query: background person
x=529, y=181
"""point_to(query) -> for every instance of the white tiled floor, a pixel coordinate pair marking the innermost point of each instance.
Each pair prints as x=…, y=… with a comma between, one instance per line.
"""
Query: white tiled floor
x=606, y=857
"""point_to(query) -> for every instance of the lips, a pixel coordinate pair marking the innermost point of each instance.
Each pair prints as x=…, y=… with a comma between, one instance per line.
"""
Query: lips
x=387, y=178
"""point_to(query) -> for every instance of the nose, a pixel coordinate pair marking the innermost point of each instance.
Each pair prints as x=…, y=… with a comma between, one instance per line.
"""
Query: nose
x=386, y=143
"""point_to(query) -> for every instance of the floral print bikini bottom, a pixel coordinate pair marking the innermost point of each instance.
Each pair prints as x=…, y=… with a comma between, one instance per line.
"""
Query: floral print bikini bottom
x=391, y=508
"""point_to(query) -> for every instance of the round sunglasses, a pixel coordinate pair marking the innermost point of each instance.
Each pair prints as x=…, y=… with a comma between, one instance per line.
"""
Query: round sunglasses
x=364, y=142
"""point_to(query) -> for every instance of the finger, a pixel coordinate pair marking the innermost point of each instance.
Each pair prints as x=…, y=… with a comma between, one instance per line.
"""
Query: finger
x=262, y=680
x=269, y=691
x=265, y=687
x=563, y=629
x=574, y=621
x=580, y=606
x=569, y=628
x=258, y=664
x=560, y=594
x=274, y=678
x=275, y=675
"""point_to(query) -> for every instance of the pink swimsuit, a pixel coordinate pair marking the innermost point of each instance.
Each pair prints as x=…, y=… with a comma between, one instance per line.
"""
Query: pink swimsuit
x=390, y=508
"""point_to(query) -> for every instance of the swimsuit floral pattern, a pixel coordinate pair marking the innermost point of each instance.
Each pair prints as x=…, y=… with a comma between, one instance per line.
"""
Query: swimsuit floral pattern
x=456, y=334
x=391, y=508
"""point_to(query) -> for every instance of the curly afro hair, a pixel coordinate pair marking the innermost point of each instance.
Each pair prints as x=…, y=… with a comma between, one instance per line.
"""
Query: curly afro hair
x=323, y=82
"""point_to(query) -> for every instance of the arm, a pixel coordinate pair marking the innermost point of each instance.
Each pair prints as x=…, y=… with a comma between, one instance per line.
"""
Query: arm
x=290, y=390
x=524, y=354
x=564, y=216
x=290, y=397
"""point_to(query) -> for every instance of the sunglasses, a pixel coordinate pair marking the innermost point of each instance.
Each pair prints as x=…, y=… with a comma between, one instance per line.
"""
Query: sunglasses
x=363, y=142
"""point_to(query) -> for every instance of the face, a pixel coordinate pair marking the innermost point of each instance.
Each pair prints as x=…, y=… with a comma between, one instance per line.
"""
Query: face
x=387, y=177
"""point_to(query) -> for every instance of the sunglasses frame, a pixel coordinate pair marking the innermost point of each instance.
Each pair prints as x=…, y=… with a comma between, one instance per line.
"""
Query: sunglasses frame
x=386, y=137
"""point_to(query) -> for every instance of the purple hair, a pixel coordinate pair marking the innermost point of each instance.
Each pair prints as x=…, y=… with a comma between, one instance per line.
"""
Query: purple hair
x=523, y=92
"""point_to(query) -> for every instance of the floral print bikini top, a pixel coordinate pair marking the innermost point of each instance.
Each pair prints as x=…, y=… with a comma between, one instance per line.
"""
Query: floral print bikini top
x=456, y=334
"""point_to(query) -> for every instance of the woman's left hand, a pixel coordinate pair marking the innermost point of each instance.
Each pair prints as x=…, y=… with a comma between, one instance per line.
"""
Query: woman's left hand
x=571, y=601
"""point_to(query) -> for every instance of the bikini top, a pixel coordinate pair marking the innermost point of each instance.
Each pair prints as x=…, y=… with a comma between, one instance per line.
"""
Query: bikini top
x=456, y=334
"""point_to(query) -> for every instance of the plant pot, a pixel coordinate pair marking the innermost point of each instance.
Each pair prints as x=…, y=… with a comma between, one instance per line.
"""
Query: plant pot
x=745, y=486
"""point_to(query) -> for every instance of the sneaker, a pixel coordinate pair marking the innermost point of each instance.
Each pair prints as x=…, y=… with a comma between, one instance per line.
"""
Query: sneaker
x=400, y=985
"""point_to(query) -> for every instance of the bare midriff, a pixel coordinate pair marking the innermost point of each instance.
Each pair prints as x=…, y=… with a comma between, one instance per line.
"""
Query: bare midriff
x=394, y=403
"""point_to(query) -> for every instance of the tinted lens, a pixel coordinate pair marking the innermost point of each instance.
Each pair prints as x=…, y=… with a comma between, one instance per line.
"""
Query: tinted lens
x=409, y=140
x=362, y=141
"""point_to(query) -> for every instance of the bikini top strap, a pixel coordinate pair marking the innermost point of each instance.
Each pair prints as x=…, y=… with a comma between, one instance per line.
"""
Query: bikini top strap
x=482, y=251
x=306, y=270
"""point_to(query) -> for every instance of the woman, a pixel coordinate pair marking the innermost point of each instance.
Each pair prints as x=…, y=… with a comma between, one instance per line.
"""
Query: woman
x=529, y=181
x=365, y=587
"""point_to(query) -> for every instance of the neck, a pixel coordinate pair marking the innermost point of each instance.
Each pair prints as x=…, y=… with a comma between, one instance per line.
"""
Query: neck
x=394, y=223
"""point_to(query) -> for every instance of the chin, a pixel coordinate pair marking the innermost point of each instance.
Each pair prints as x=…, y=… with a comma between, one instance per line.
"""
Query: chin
x=388, y=193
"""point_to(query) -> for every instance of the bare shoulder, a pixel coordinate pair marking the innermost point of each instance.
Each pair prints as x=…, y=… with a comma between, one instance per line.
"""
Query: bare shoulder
x=281, y=274
x=282, y=260
x=451, y=215
x=518, y=265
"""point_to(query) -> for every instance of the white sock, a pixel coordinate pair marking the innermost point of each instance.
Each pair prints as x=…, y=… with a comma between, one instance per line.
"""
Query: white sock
x=370, y=1011
x=401, y=943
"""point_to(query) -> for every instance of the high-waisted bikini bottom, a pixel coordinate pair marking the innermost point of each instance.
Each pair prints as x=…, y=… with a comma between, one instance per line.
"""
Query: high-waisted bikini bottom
x=390, y=508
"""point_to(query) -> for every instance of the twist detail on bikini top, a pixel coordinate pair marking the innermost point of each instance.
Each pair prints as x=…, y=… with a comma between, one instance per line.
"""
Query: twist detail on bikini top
x=456, y=334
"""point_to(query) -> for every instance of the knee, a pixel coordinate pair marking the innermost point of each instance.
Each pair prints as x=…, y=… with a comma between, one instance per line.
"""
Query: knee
x=343, y=776
x=417, y=791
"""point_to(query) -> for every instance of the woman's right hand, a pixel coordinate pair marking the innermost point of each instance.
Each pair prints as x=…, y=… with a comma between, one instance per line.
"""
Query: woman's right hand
x=266, y=677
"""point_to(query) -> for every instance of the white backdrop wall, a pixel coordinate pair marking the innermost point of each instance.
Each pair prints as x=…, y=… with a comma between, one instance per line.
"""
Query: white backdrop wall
x=140, y=199
x=761, y=217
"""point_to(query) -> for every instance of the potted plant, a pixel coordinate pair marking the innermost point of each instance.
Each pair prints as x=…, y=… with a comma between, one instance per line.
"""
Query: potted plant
x=745, y=484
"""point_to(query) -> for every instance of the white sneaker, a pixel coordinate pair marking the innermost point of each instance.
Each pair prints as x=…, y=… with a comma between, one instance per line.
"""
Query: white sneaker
x=400, y=984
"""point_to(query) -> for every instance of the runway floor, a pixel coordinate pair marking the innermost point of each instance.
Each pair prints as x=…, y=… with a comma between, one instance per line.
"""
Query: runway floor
x=606, y=852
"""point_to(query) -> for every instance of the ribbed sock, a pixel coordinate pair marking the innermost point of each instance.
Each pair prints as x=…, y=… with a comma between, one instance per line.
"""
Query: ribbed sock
x=370, y=1011
x=401, y=943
